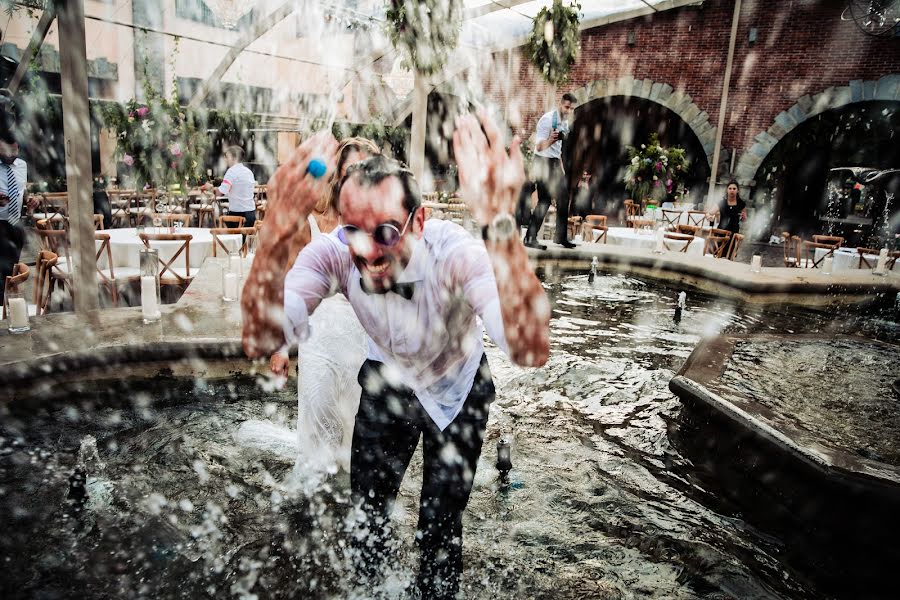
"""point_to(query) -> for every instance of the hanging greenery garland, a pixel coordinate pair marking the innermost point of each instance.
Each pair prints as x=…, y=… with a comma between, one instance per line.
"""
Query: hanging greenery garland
x=554, y=41
x=425, y=31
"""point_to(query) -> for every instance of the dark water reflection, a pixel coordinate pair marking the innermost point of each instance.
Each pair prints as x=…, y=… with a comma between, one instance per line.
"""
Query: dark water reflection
x=601, y=504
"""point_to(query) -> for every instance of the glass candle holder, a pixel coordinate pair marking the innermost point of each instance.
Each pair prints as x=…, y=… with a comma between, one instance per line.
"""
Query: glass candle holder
x=236, y=264
x=827, y=265
x=881, y=265
x=756, y=263
x=229, y=283
x=150, y=299
x=16, y=310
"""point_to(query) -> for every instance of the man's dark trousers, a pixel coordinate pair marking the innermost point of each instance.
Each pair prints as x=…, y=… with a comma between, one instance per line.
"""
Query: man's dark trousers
x=388, y=425
x=12, y=238
x=551, y=183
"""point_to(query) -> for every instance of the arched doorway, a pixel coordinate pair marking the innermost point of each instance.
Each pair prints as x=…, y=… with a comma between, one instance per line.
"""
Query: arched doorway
x=793, y=178
x=603, y=129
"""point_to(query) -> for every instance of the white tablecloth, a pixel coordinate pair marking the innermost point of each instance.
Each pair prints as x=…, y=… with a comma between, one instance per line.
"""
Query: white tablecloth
x=846, y=258
x=638, y=238
x=126, y=246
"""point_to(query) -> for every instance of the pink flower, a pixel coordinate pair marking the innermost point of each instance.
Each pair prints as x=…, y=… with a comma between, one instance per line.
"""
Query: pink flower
x=175, y=149
x=128, y=159
x=669, y=182
x=142, y=111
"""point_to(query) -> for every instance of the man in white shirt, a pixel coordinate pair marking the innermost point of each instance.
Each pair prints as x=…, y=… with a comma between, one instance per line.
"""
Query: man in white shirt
x=549, y=176
x=13, y=176
x=418, y=289
x=238, y=185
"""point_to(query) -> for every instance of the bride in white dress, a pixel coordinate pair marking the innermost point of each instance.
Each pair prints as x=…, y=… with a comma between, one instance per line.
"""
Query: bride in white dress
x=327, y=363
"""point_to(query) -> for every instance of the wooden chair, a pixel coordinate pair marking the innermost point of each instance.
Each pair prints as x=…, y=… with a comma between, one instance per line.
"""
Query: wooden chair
x=693, y=230
x=717, y=242
x=218, y=244
x=791, y=249
x=43, y=285
x=680, y=241
x=865, y=263
x=53, y=206
x=591, y=224
x=639, y=223
x=98, y=223
x=670, y=219
x=632, y=210
x=835, y=240
x=118, y=202
x=573, y=226
x=736, y=241
x=697, y=218
x=169, y=219
x=56, y=241
x=16, y=280
x=107, y=276
x=168, y=273
x=226, y=219
x=892, y=259
x=142, y=205
x=809, y=254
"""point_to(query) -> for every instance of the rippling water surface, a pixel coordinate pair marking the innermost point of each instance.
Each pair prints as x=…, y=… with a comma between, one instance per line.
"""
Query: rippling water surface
x=601, y=504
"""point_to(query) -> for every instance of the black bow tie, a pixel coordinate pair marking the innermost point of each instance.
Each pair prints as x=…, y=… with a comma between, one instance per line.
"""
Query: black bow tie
x=404, y=290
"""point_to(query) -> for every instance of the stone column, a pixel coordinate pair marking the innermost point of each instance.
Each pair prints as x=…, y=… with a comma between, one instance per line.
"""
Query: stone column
x=417, y=141
x=77, y=137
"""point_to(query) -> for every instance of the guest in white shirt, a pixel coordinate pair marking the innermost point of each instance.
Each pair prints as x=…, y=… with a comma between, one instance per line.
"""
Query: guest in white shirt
x=418, y=289
x=13, y=176
x=549, y=177
x=238, y=185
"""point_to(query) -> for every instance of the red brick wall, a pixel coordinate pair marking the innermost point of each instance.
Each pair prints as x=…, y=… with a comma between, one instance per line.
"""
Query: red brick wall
x=803, y=47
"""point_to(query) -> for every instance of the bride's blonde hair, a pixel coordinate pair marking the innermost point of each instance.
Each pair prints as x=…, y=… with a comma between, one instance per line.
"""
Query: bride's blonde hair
x=347, y=146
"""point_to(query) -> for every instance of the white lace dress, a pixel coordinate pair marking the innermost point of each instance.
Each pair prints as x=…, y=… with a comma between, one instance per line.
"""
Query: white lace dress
x=327, y=391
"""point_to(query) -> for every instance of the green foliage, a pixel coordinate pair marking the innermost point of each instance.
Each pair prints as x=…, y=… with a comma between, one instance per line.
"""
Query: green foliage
x=424, y=31
x=392, y=140
x=655, y=171
x=554, y=41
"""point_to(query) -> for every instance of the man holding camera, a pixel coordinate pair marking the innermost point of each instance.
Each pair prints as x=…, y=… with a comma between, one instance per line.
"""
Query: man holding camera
x=549, y=176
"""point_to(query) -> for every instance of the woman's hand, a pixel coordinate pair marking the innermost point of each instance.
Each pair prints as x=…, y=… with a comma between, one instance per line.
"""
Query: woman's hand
x=491, y=178
x=744, y=215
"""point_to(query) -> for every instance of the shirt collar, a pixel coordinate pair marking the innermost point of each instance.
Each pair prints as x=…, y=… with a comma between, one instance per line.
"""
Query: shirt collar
x=415, y=269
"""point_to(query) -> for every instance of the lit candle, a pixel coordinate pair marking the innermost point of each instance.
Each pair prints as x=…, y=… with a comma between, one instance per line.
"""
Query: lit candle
x=230, y=287
x=660, y=247
x=18, y=313
x=756, y=263
x=881, y=266
x=149, y=305
x=827, y=265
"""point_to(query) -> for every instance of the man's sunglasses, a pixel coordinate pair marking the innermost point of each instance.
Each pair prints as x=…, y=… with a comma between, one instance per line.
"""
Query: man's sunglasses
x=386, y=234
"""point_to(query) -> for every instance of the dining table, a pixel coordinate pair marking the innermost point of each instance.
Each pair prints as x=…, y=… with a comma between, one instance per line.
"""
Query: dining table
x=126, y=245
x=630, y=237
x=845, y=259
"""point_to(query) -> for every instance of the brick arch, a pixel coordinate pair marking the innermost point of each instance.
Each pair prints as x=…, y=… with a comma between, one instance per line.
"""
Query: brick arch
x=661, y=93
x=886, y=88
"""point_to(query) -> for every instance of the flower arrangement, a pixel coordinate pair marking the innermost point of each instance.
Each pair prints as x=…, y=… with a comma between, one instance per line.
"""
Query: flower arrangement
x=554, y=41
x=425, y=31
x=161, y=142
x=655, y=171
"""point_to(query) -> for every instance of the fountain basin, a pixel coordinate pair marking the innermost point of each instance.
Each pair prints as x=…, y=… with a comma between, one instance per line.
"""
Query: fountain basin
x=812, y=452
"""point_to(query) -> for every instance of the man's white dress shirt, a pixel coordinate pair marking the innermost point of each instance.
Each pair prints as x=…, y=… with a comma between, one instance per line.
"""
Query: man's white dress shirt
x=20, y=172
x=544, y=129
x=238, y=185
x=433, y=342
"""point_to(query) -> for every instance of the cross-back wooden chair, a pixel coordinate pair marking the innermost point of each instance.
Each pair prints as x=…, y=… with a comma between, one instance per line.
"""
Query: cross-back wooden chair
x=53, y=205
x=717, y=242
x=639, y=223
x=670, y=219
x=59, y=274
x=591, y=225
x=573, y=226
x=118, y=202
x=219, y=245
x=15, y=281
x=106, y=275
x=169, y=274
x=677, y=241
x=808, y=249
x=697, y=218
x=864, y=261
x=835, y=240
x=142, y=205
x=736, y=241
x=98, y=223
x=632, y=210
x=791, y=246
x=43, y=285
x=693, y=230
x=235, y=220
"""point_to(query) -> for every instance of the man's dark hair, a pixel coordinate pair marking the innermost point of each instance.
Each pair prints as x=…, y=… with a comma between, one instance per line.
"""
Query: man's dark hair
x=569, y=97
x=6, y=128
x=375, y=169
x=235, y=152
